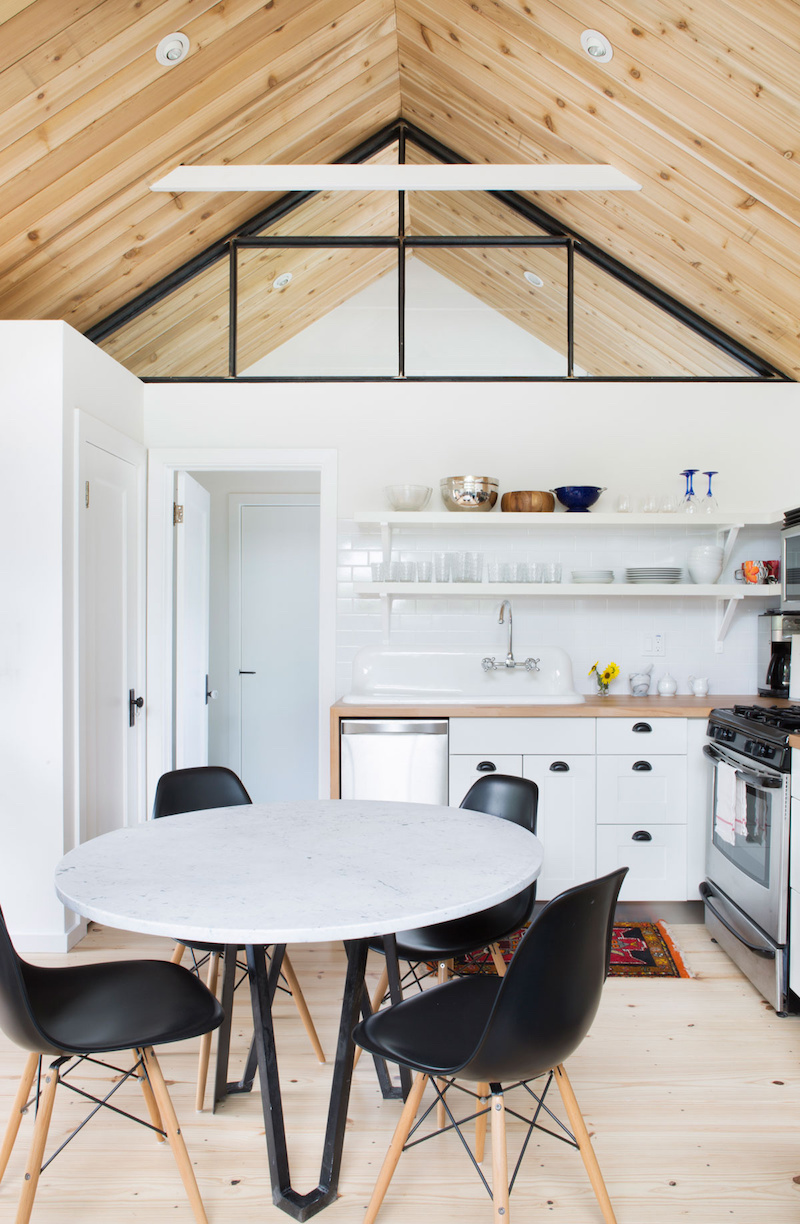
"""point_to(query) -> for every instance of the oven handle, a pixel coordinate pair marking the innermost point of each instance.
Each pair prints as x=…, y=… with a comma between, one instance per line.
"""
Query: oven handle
x=765, y=953
x=762, y=781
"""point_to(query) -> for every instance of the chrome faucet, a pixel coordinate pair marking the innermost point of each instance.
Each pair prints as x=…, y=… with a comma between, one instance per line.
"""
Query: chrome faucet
x=489, y=664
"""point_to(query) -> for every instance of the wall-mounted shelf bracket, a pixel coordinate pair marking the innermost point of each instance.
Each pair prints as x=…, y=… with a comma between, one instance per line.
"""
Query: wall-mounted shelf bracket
x=726, y=610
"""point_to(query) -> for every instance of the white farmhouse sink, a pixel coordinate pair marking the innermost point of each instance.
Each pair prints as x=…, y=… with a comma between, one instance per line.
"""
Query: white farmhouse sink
x=382, y=676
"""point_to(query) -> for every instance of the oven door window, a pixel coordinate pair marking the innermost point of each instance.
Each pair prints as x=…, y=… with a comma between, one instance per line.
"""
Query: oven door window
x=791, y=567
x=745, y=839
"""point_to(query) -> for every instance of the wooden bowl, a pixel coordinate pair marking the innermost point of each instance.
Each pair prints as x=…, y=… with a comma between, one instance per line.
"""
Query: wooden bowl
x=528, y=501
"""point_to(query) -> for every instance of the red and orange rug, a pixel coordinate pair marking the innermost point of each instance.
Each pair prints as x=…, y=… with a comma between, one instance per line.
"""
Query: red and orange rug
x=638, y=949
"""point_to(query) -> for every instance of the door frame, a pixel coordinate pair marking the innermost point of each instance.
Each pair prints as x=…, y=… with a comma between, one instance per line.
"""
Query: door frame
x=163, y=463
x=105, y=437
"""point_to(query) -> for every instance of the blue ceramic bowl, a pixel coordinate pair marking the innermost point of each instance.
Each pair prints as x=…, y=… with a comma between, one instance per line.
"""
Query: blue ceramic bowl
x=577, y=498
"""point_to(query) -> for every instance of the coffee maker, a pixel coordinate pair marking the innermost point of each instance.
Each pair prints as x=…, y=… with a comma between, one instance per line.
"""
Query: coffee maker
x=775, y=630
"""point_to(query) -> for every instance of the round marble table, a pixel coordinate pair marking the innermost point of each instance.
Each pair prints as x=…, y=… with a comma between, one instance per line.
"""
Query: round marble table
x=294, y=872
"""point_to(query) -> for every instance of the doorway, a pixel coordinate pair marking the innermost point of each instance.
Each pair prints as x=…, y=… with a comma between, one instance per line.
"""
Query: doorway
x=238, y=472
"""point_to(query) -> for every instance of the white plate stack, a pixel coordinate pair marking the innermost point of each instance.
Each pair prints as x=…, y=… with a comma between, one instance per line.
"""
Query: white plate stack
x=653, y=573
x=592, y=575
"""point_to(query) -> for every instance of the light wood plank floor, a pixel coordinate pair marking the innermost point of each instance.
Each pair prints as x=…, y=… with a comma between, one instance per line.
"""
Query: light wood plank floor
x=691, y=1090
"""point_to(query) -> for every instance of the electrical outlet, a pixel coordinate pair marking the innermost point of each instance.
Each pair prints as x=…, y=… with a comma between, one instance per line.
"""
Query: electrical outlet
x=659, y=645
x=653, y=645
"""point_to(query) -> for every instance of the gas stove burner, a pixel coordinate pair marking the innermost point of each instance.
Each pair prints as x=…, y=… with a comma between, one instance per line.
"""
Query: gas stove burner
x=785, y=718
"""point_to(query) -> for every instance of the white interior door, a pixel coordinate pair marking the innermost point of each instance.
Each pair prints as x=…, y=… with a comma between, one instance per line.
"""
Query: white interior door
x=192, y=592
x=112, y=738
x=278, y=664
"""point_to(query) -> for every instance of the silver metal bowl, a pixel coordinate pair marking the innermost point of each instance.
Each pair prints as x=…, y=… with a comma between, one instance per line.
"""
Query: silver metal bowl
x=469, y=492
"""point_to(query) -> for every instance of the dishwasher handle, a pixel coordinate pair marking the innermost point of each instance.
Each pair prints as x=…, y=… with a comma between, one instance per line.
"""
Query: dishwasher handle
x=394, y=726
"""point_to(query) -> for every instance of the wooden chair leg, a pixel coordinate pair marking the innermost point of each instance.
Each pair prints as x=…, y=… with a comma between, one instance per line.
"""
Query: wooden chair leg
x=34, y=1165
x=396, y=1146
x=177, y=955
x=205, y=1040
x=480, y=1122
x=17, y=1110
x=302, y=1007
x=377, y=999
x=444, y=971
x=149, y=1099
x=167, y=1111
x=499, y=1160
x=584, y=1144
x=499, y=961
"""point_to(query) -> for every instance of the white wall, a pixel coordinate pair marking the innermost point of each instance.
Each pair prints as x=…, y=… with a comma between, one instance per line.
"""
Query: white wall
x=49, y=370
x=627, y=436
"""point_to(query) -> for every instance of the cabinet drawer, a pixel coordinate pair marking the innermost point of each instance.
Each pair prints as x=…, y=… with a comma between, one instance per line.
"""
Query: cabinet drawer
x=657, y=868
x=633, y=789
x=464, y=770
x=511, y=735
x=621, y=735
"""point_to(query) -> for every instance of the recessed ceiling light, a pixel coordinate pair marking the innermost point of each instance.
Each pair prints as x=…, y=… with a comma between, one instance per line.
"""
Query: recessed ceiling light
x=533, y=279
x=596, y=46
x=282, y=281
x=172, y=49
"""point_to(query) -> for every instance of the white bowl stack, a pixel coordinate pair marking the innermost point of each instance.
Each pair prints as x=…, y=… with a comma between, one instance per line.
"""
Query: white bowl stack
x=705, y=563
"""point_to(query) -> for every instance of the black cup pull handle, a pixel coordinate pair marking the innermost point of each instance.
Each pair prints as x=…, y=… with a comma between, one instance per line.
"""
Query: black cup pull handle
x=641, y=766
x=641, y=727
x=487, y=767
x=642, y=835
x=560, y=767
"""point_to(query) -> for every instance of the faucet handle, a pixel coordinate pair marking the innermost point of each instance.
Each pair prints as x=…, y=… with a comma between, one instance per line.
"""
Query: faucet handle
x=531, y=665
x=488, y=664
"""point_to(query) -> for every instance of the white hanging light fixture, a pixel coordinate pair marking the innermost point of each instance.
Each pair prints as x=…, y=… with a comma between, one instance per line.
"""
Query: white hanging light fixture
x=361, y=177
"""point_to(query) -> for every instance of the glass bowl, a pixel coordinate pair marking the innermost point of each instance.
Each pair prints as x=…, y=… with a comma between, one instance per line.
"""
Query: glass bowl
x=408, y=496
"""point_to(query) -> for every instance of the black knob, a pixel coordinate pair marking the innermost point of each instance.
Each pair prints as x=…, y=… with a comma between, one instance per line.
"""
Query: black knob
x=560, y=767
x=641, y=727
x=642, y=835
x=641, y=766
x=487, y=767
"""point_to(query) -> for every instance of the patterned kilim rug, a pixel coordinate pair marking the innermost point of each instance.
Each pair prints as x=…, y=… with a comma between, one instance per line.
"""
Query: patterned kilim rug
x=638, y=949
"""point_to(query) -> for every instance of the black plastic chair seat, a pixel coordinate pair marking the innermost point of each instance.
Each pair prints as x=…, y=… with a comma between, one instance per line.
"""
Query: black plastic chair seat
x=445, y=940
x=117, y=1005
x=436, y=1031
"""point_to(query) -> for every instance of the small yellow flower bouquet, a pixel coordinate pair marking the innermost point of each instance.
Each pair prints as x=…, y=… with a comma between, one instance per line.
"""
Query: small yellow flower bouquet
x=604, y=677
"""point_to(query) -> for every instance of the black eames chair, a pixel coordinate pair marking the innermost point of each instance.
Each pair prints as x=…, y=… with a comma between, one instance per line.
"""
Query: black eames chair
x=195, y=790
x=70, y=1016
x=503, y=1032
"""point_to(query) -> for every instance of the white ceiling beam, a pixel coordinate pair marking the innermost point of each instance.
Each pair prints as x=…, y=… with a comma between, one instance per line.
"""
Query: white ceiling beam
x=358, y=177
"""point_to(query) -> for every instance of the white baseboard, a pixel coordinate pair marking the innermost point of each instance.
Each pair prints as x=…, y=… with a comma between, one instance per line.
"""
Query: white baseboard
x=48, y=943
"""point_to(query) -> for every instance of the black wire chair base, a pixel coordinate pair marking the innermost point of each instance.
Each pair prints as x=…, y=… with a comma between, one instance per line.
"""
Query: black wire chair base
x=67, y=1065
x=457, y=1124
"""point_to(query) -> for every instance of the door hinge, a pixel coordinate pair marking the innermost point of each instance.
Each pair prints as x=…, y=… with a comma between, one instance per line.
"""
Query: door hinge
x=87, y=494
x=177, y=513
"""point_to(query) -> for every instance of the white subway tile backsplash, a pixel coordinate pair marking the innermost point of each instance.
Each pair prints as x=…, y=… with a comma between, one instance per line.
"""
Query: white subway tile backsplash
x=587, y=628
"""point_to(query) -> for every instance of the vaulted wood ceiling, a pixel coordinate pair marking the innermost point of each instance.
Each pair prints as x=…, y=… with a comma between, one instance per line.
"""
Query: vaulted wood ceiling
x=700, y=104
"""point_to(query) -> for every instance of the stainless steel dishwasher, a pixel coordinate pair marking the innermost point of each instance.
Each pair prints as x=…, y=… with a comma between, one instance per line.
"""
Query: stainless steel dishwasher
x=404, y=759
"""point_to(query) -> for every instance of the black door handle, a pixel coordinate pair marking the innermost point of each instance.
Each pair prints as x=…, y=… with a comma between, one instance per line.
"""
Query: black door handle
x=640, y=726
x=642, y=835
x=560, y=767
x=244, y=673
x=641, y=766
x=134, y=703
x=486, y=767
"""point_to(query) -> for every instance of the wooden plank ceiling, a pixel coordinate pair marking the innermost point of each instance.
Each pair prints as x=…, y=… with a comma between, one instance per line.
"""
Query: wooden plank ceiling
x=700, y=104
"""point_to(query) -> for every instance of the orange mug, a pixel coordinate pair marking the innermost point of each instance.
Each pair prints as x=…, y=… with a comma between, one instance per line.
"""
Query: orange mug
x=751, y=571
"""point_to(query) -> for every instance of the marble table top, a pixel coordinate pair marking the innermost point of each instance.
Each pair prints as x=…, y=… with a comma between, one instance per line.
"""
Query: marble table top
x=295, y=872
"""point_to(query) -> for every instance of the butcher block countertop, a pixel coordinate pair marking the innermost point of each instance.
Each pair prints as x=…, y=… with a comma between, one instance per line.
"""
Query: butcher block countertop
x=613, y=706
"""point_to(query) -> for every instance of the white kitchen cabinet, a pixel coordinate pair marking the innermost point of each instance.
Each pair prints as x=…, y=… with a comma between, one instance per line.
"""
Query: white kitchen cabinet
x=566, y=821
x=656, y=867
x=464, y=770
x=642, y=805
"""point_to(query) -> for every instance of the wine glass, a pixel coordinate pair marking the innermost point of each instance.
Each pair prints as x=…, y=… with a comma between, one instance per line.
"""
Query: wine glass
x=709, y=503
x=690, y=503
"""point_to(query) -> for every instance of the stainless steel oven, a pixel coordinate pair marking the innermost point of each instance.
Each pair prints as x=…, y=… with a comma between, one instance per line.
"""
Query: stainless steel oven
x=747, y=852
